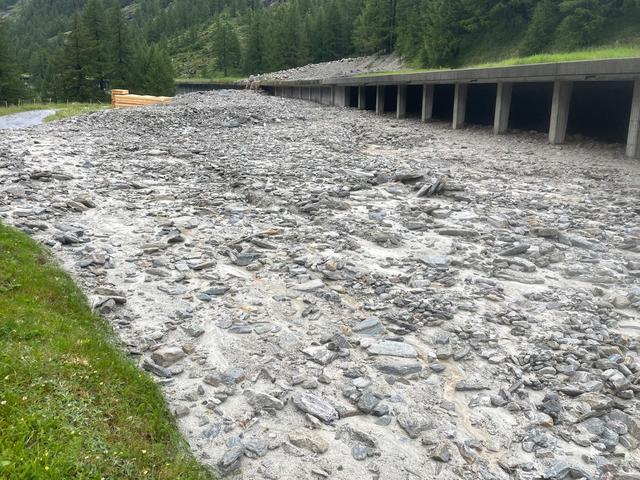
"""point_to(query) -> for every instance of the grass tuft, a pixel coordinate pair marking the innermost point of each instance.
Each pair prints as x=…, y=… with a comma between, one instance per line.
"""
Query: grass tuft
x=71, y=404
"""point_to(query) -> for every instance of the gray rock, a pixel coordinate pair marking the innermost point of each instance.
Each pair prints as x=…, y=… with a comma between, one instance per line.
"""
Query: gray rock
x=436, y=261
x=260, y=400
x=308, y=440
x=231, y=459
x=411, y=424
x=320, y=355
x=442, y=452
x=515, y=250
x=167, y=356
x=398, y=367
x=255, y=448
x=316, y=406
x=372, y=326
x=310, y=285
x=393, y=349
x=150, y=366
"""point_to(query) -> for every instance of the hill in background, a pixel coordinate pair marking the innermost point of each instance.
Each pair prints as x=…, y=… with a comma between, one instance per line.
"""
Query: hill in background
x=233, y=38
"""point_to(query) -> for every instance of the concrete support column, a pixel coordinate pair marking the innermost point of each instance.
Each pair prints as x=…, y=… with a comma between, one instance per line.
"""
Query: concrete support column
x=459, y=105
x=427, y=102
x=560, y=111
x=362, y=97
x=340, y=97
x=380, y=100
x=401, y=102
x=503, y=107
x=633, y=140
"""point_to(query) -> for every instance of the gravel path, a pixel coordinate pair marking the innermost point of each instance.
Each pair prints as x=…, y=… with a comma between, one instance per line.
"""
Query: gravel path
x=24, y=119
x=323, y=293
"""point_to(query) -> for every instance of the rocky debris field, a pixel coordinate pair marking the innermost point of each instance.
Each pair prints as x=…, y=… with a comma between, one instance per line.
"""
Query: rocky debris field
x=338, y=68
x=323, y=293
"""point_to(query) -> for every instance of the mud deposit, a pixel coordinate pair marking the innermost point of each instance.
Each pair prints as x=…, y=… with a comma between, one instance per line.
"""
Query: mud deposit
x=323, y=293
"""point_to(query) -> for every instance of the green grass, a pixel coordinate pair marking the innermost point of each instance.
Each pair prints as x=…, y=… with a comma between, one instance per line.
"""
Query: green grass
x=214, y=80
x=630, y=51
x=591, y=54
x=72, y=406
x=63, y=110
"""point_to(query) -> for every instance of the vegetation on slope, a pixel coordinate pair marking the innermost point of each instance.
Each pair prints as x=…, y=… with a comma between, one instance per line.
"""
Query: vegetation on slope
x=71, y=404
x=216, y=38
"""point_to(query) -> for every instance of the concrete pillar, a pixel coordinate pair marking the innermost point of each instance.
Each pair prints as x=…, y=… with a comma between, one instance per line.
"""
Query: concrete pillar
x=380, y=100
x=362, y=97
x=427, y=102
x=401, y=102
x=459, y=105
x=560, y=111
x=633, y=140
x=340, y=97
x=503, y=107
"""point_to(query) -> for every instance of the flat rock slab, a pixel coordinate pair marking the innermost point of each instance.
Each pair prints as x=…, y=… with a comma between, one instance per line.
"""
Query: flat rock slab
x=393, y=349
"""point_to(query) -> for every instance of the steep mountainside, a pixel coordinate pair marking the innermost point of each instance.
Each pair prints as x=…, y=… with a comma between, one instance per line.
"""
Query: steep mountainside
x=240, y=37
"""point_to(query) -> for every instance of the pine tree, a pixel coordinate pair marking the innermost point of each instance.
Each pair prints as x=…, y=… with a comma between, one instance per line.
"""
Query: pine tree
x=159, y=74
x=120, y=48
x=77, y=72
x=288, y=44
x=11, y=88
x=374, y=26
x=443, y=32
x=96, y=42
x=226, y=46
x=540, y=31
x=255, y=57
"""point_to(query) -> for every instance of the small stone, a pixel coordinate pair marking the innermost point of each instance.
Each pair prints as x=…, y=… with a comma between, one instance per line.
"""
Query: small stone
x=372, y=326
x=436, y=261
x=310, y=285
x=316, y=406
x=442, y=452
x=393, y=349
x=400, y=368
x=308, y=440
x=260, y=400
x=181, y=411
x=231, y=458
x=411, y=424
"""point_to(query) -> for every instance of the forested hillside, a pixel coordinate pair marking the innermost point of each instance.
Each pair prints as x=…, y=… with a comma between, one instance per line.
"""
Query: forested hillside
x=72, y=48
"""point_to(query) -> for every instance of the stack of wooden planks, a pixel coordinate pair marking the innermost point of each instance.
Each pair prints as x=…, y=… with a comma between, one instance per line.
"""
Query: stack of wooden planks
x=123, y=99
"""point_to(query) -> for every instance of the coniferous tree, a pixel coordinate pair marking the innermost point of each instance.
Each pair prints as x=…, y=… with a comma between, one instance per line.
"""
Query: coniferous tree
x=226, y=46
x=255, y=57
x=442, y=32
x=374, y=26
x=77, y=74
x=540, y=31
x=288, y=44
x=120, y=48
x=96, y=42
x=11, y=88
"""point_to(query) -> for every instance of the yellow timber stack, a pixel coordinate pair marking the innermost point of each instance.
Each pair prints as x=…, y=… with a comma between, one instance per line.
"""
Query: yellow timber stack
x=123, y=99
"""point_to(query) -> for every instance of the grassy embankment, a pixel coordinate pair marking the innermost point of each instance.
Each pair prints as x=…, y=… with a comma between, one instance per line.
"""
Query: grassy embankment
x=63, y=110
x=590, y=54
x=71, y=404
x=213, y=80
